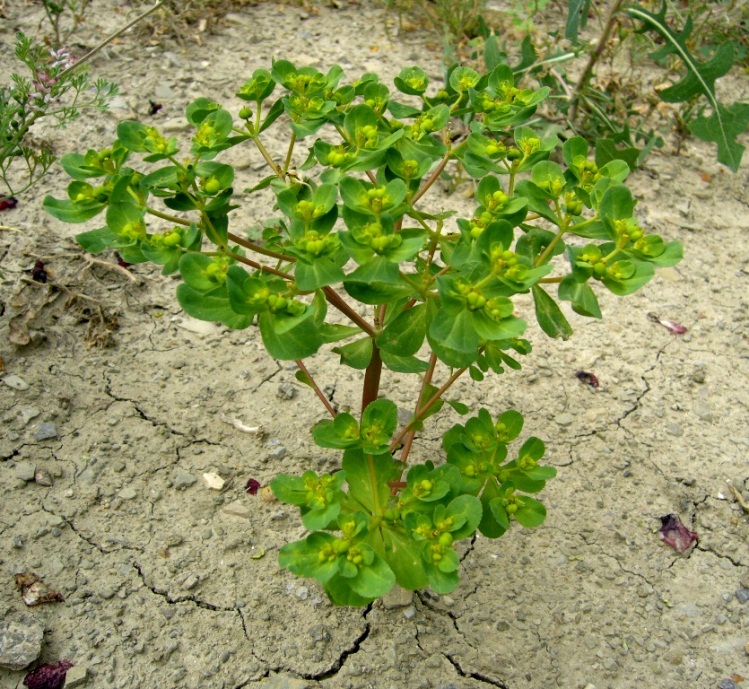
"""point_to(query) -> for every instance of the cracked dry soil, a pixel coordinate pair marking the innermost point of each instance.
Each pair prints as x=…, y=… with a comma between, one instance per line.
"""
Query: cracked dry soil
x=169, y=584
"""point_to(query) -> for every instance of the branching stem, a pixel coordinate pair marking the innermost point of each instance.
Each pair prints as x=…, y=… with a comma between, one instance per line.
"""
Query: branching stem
x=315, y=387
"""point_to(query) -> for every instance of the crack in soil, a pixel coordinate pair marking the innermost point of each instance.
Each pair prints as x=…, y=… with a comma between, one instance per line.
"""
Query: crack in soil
x=90, y=541
x=182, y=599
x=484, y=679
x=332, y=671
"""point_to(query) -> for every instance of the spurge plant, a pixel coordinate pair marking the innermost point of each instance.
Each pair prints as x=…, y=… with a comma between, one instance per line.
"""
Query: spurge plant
x=355, y=230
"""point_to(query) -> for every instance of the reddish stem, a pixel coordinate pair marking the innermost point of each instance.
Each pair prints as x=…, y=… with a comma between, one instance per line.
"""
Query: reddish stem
x=315, y=387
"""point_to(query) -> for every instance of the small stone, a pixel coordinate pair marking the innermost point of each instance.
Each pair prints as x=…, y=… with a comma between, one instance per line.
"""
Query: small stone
x=213, y=481
x=409, y=613
x=42, y=477
x=46, y=431
x=742, y=595
x=397, y=597
x=727, y=684
x=163, y=91
x=15, y=382
x=191, y=582
x=237, y=509
x=28, y=414
x=302, y=593
x=287, y=391
x=274, y=450
x=127, y=493
x=76, y=676
x=674, y=429
x=20, y=644
x=183, y=479
x=25, y=471
x=564, y=420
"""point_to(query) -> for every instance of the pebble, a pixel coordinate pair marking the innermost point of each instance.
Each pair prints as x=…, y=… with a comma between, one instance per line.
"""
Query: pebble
x=564, y=420
x=213, y=481
x=20, y=644
x=127, y=493
x=46, y=431
x=15, y=382
x=183, y=479
x=397, y=597
x=28, y=414
x=76, y=676
x=409, y=613
x=743, y=595
x=191, y=582
x=727, y=684
x=274, y=450
x=42, y=477
x=25, y=471
x=237, y=509
x=287, y=391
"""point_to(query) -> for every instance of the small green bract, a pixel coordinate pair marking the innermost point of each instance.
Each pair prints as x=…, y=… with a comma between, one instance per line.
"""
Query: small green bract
x=352, y=232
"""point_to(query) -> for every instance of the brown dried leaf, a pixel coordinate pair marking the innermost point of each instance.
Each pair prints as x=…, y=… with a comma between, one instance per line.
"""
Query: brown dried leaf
x=34, y=591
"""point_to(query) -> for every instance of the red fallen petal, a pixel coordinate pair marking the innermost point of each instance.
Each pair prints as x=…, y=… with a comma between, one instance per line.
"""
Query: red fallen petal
x=589, y=378
x=675, y=534
x=8, y=203
x=252, y=486
x=48, y=676
x=673, y=326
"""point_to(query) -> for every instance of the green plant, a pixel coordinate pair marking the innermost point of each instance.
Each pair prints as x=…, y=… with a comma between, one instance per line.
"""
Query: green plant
x=723, y=124
x=64, y=18
x=58, y=88
x=437, y=291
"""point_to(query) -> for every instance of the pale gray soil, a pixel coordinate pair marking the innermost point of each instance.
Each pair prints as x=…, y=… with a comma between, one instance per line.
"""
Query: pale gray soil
x=165, y=587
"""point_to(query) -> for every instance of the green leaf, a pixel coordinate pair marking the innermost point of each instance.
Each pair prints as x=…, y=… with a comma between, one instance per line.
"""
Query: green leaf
x=367, y=477
x=356, y=354
x=581, y=294
x=96, y=241
x=722, y=127
x=316, y=273
x=403, y=554
x=373, y=580
x=211, y=306
x=508, y=426
x=466, y=512
x=303, y=557
x=403, y=364
x=405, y=335
x=73, y=211
x=340, y=433
x=531, y=514
x=617, y=203
x=131, y=134
x=298, y=342
x=577, y=18
x=549, y=316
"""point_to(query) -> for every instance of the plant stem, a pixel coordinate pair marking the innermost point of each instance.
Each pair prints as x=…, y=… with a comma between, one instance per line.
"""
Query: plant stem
x=436, y=173
x=166, y=216
x=315, y=387
x=372, y=376
x=427, y=380
x=108, y=40
x=425, y=407
x=287, y=162
x=335, y=300
x=247, y=244
x=593, y=59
